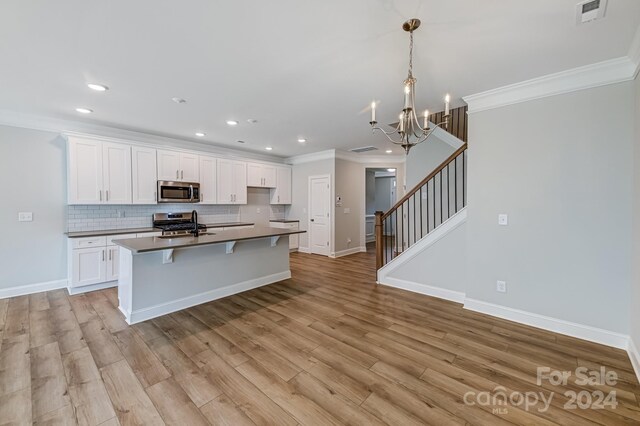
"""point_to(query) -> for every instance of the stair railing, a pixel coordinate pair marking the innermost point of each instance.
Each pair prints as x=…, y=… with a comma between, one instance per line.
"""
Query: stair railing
x=435, y=199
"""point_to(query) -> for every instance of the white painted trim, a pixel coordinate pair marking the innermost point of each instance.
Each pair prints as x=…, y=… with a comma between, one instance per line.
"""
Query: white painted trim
x=428, y=240
x=347, y=252
x=93, y=287
x=634, y=356
x=333, y=154
x=310, y=158
x=21, y=290
x=594, y=75
x=304, y=250
x=447, y=137
x=139, y=315
x=580, y=331
x=441, y=293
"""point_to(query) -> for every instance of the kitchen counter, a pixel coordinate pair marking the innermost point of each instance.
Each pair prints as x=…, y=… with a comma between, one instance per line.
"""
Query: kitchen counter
x=285, y=220
x=81, y=234
x=147, y=244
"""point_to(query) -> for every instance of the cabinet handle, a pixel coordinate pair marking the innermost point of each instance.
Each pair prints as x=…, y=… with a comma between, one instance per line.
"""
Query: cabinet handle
x=278, y=198
x=103, y=255
x=177, y=174
x=107, y=194
x=100, y=193
x=109, y=254
x=181, y=174
x=155, y=196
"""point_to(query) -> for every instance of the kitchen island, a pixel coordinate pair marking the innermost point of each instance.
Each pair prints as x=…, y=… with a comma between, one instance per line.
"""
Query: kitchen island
x=160, y=275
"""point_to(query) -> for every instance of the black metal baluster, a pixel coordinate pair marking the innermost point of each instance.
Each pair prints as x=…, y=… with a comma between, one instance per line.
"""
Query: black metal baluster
x=448, y=192
x=421, y=217
x=464, y=181
x=441, y=203
x=414, y=218
x=455, y=180
x=434, y=203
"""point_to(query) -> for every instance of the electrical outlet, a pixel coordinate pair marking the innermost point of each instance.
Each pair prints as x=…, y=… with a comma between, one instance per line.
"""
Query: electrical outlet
x=347, y=210
x=503, y=219
x=501, y=286
x=258, y=210
x=25, y=216
x=348, y=240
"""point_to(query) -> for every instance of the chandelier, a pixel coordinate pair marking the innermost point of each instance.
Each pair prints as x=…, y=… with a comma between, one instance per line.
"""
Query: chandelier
x=408, y=129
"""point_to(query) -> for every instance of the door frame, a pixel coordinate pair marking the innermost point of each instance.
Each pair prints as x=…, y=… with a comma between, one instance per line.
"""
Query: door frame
x=330, y=221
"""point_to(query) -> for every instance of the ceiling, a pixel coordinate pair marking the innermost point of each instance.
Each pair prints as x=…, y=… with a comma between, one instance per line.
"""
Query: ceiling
x=301, y=68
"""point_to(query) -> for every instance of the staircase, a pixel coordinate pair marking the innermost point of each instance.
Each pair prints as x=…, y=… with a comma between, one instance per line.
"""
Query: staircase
x=439, y=196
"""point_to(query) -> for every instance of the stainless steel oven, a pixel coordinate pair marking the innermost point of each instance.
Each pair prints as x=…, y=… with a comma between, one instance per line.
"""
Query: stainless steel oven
x=178, y=192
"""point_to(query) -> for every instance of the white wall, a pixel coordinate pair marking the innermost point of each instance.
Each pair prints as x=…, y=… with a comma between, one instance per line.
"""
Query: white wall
x=370, y=189
x=349, y=218
x=384, y=185
x=33, y=172
x=635, y=296
x=561, y=167
x=424, y=158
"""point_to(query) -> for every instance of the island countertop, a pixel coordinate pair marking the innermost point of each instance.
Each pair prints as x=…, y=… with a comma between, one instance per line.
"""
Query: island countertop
x=99, y=233
x=149, y=244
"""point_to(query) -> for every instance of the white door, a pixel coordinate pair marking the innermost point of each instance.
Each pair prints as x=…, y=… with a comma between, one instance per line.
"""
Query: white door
x=85, y=171
x=254, y=174
x=207, y=180
x=319, y=220
x=113, y=263
x=268, y=176
x=240, y=182
x=144, y=175
x=189, y=168
x=88, y=266
x=168, y=165
x=224, y=182
x=116, y=173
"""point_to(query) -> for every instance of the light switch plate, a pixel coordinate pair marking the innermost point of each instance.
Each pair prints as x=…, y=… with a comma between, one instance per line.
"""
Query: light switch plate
x=258, y=210
x=25, y=216
x=503, y=219
x=501, y=286
x=347, y=210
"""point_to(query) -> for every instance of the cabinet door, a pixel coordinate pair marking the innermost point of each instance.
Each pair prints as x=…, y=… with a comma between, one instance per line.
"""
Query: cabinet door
x=240, y=182
x=282, y=193
x=144, y=175
x=113, y=263
x=168, y=165
x=224, y=182
x=189, y=168
x=88, y=266
x=116, y=173
x=84, y=171
x=207, y=181
x=269, y=176
x=254, y=174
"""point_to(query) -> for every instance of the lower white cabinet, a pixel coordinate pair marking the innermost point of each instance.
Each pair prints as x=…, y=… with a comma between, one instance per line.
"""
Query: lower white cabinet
x=294, y=240
x=89, y=266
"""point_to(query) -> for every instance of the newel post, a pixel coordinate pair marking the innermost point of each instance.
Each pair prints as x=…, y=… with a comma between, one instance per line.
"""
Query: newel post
x=379, y=237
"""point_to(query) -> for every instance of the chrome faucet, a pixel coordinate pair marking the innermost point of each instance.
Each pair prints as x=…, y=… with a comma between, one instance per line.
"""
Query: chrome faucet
x=194, y=219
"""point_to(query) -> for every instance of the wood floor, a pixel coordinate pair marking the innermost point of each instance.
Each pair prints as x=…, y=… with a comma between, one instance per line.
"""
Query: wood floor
x=326, y=347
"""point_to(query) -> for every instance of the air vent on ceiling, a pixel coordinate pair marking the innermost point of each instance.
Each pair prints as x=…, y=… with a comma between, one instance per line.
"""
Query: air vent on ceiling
x=364, y=149
x=590, y=10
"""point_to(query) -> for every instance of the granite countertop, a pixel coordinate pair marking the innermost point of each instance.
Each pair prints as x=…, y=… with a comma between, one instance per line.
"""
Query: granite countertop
x=284, y=220
x=99, y=233
x=149, y=244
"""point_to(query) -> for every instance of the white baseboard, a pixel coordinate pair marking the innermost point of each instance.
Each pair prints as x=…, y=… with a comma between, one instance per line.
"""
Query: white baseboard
x=347, y=252
x=22, y=290
x=140, y=315
x=580, y=331
x=93, y=287
x=304, y=250
x=634, y=356
x=442, y=293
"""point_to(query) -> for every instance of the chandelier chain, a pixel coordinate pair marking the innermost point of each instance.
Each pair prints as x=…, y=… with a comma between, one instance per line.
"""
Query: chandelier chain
x=411, y=54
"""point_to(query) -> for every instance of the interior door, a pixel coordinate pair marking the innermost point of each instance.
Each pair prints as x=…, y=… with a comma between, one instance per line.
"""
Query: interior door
x=319, y=220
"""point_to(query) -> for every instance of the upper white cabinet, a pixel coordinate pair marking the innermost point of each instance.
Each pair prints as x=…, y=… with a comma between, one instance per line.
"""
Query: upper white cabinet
x=98, y=172
x=282, y=192
x=178, y=166
x=232, y=182
x=261, y=175
x=208, y=180
x=144, y=177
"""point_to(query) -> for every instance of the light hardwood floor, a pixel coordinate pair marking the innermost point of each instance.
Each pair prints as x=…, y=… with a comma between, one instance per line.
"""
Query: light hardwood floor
x=325, y=347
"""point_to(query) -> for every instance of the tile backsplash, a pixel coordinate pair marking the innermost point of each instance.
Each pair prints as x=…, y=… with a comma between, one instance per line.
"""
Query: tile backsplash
x=103, y=217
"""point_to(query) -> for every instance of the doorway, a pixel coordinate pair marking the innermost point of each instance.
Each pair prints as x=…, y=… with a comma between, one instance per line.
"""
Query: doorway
x=381, y=194
x=319, y=214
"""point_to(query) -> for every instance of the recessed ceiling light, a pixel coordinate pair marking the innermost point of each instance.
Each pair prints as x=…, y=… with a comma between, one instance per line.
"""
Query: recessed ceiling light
x=240, y=141
x=84, y=110
x=200, y=134
x=268, y=148
x=97, y=87
x=302, y=140
x=179, y=100
x=391, y=170
x=389, y=151
x=252, y=121
x=232, y=122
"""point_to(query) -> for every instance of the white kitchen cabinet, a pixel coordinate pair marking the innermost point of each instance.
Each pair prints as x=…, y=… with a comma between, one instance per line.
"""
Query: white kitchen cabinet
x=89, y=266
x=144, y=175
x=294, y=240
x=98, y=172
x=261, y=175
x=208, y=178
x=178, y=166
x=231, y=182
x=281, y=194
x=113, y=266
x=116, y=173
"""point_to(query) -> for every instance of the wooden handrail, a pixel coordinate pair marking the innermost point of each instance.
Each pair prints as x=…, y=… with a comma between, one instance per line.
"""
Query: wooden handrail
x=423, y=182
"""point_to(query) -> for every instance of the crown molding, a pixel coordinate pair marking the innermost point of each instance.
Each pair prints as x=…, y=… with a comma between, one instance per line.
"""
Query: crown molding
x=590, y=76
x=333, y=154
x=99, y=131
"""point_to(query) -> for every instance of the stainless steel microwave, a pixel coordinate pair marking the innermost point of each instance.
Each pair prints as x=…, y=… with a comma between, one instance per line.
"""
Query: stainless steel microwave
x=178, y=192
